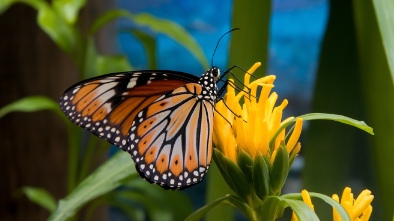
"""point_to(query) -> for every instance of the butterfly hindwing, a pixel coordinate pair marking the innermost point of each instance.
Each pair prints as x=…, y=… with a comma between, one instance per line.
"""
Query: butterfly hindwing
x=107, y=105
x=171, y=139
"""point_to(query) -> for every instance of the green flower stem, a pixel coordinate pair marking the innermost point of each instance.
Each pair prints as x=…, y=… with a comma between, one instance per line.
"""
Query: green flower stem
x=255, y=204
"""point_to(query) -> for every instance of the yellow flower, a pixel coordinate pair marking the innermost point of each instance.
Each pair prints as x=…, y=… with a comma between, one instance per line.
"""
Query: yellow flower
x=359, y=209
x=249, y=120
x=307, y=199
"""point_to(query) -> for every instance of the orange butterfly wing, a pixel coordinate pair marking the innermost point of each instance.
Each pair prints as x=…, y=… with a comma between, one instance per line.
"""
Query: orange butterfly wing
x=171, y=139
x=164, y=119
x=107, y=105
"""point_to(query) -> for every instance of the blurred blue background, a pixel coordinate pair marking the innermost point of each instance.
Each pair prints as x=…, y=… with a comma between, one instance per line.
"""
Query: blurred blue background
x=297, y=27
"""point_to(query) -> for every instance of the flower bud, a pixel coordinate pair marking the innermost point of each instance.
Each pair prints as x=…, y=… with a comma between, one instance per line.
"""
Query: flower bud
x=279, y=169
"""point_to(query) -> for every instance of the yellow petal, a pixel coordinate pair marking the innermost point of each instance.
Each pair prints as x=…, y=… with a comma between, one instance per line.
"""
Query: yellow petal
x=360, y=197
x=347, y=196
x=295, y=135
x=366, y=214
x=362, y=206
x=335, y=214
x=307, y=198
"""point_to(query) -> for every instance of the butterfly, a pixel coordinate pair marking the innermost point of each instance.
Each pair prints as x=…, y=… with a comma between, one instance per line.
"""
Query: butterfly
x=163, y=119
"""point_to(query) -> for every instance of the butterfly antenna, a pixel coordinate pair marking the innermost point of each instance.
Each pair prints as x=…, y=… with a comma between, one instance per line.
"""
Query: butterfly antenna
x=234, y=29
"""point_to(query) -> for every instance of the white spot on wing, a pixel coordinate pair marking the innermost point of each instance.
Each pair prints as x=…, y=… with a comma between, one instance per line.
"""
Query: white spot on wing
x=132, y=83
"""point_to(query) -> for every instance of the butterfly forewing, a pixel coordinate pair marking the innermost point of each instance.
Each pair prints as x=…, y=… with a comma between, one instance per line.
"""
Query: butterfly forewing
x=107, y=105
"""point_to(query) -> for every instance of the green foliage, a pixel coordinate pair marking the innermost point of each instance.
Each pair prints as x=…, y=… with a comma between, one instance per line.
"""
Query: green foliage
x=354, y=79
x=385, y=18
x=247, y=46
x=58, y=19
x=31, y=104
x=323, y=116
x=250, y=45
x=341, y=211
x=160, y=26
x=272, y=207
x=41, y=197
x=113, y=173
x=257, y=184
x=376, y=73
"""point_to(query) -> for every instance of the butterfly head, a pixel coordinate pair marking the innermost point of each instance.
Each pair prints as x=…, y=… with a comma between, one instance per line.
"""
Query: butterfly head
x=215, y=72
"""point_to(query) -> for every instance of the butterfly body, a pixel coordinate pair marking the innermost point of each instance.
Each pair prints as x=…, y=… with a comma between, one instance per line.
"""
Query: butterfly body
x=164, y=119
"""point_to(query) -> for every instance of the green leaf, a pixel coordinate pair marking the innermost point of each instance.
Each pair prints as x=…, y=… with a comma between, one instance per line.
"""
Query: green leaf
x=342, y=119
x=342, y=212
x=63, y=34
x=302, y=210
x=53, y=24
x=161, y=26
x=31, y=104
x=68, y=9
x=113, y=173
x=228, y=199
x=90, y=64
x=96, y=64
x=174, y=31
x=323, y=116
x=41, y=197
x=107, y=17
x=111, y=64
x=384, y=13
x=5, y=4
x=273, y=207
x=376, y=72
x=343, y=84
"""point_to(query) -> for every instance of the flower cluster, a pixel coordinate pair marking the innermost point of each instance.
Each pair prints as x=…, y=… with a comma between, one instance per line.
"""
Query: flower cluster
x=254, y=125
x=358, y=209
x=252, y=136
x=254, y=151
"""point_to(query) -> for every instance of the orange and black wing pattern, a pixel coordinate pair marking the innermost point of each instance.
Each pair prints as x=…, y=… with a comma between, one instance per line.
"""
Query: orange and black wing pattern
x=171, y=139
x=107, y=105
x=164, y=119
